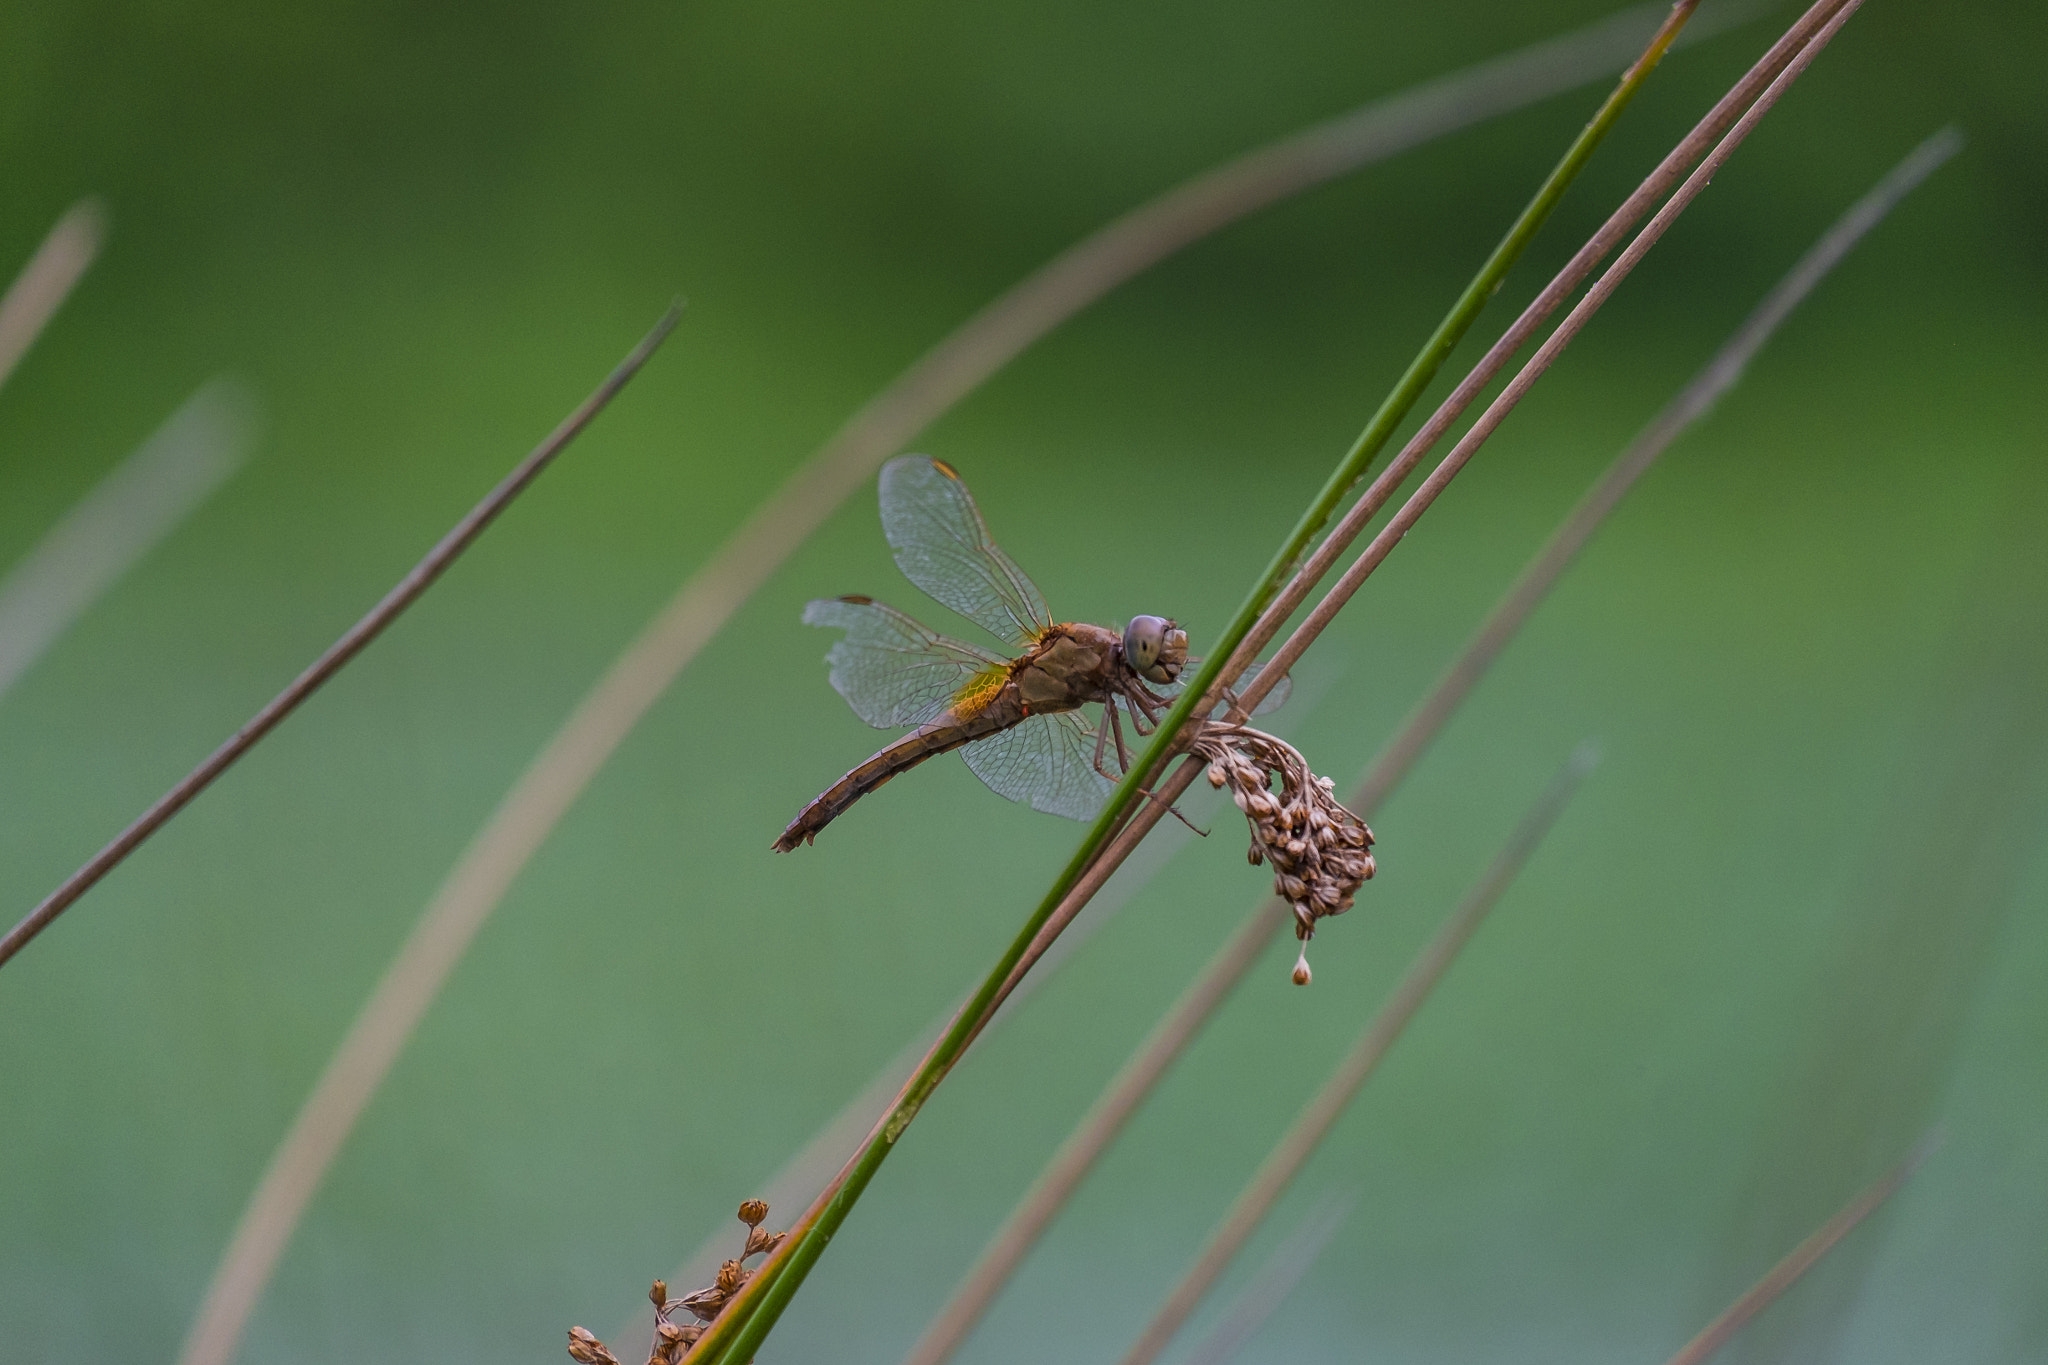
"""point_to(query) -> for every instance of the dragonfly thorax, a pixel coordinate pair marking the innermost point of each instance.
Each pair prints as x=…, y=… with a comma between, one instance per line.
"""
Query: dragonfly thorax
x=1073, y=664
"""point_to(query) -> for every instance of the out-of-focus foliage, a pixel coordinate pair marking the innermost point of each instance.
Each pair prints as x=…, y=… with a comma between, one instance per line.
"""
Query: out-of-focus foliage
x=1796, y=917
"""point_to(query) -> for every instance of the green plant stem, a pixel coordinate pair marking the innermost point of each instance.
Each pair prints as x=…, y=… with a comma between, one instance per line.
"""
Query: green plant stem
x=747, y=1321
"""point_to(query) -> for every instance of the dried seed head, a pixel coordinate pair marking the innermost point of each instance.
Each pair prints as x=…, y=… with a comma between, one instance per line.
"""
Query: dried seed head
x=1216, y=775
x=752, y=1212
x=762, y=1240
x=731, y=1276
x=1302, y=975
x=705, y=1303
x=1315, y=846
x=668, y=1344
x=659, y=1294
x=588, y=1349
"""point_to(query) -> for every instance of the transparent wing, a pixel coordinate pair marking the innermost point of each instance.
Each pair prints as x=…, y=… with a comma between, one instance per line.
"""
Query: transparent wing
x=944, y=547
x=1274, y=700
x=1048, y=762
x=891, y=670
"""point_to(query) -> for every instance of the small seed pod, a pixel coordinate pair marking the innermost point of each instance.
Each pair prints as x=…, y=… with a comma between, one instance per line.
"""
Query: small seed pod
x=588, y=1349
x=1302, y=975
x=659, y=1294
x=731, y=1276
x=1216, y=776
x=752, y=1212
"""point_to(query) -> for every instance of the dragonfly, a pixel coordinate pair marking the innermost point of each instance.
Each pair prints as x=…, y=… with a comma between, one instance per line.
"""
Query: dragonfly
x=1015, y=718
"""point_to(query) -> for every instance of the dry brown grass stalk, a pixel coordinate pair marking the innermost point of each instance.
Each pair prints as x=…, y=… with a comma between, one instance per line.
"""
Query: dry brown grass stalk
x=1177, y=1028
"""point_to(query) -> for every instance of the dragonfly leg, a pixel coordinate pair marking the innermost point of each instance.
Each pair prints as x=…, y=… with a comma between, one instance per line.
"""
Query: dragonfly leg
x=1111, y=726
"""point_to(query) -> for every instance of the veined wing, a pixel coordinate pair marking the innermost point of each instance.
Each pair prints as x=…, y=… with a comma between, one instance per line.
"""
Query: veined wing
x=1273, y=701
x=891, y=670
x=1047, y=761
x=944, y=547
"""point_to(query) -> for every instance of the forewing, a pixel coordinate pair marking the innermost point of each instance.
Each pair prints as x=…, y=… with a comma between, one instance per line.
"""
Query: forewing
x=944, y=547
x=1047, y=761
x=891, y=670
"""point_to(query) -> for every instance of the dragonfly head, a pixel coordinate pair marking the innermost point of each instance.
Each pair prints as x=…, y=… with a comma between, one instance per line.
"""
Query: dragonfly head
x=1155, y=648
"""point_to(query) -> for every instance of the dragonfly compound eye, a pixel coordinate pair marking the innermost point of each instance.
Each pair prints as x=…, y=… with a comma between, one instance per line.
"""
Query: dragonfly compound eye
x=1154, y=648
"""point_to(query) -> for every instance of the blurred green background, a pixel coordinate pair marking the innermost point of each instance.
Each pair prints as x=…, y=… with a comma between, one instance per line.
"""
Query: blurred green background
x=1793, y=921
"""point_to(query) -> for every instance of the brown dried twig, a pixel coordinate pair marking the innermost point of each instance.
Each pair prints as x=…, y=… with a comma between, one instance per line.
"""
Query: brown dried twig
x=1176, y=1029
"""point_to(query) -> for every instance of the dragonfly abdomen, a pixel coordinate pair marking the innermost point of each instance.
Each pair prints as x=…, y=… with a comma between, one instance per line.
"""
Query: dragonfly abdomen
x=928, y=741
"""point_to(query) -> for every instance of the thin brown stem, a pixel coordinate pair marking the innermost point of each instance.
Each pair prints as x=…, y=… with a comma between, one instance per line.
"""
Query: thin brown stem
x=1099, y=1127
x=1314, y=1122
x=337, y=655
x=1801, y=1259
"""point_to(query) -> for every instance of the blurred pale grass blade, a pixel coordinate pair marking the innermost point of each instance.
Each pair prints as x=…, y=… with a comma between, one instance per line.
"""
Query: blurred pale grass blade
x=120, y=520
x=1283, y=1271
x=1267, y=609
x=1314, y=1122
x=352, y=642
x=1099, y=1127
x=1801, y=1259
x=41, y=287
x=952, y=369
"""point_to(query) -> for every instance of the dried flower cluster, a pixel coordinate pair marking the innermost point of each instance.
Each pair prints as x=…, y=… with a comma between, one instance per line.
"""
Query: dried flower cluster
x=1321, y=853
x=672, y=1343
